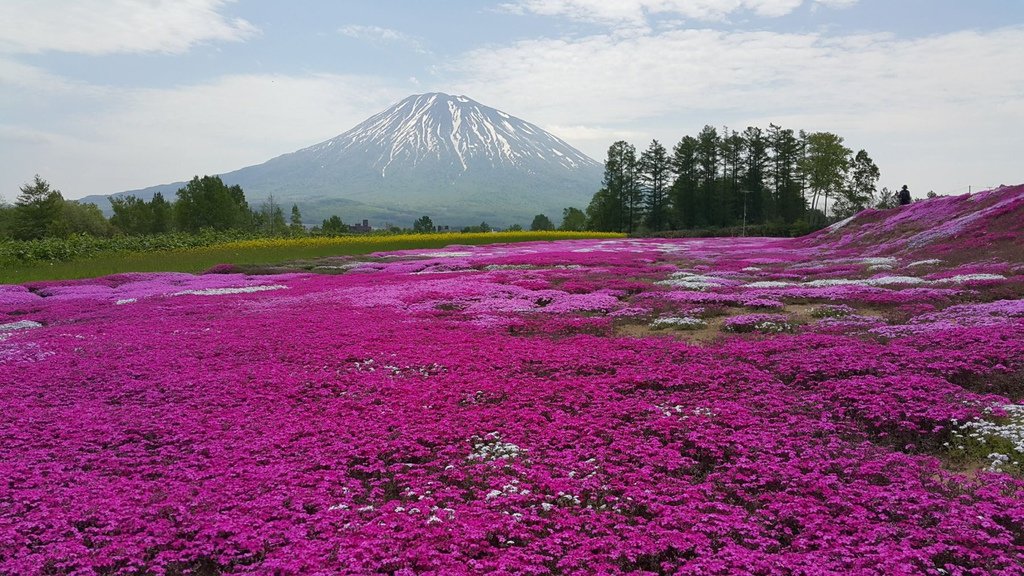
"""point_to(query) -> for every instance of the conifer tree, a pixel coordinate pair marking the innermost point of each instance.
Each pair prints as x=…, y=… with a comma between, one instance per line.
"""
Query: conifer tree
x=654, y=175
x=295, y=221
x=37, y=210
x=683, y=193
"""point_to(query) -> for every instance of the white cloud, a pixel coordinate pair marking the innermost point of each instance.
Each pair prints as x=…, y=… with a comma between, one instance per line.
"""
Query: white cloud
x=379, y=35
x=98, y=27
x=919, y=106
x=140, y=137
x=608, y=78
x=635, y=12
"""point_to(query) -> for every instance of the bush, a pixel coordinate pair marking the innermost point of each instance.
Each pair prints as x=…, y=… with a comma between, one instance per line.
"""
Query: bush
x=54, y=249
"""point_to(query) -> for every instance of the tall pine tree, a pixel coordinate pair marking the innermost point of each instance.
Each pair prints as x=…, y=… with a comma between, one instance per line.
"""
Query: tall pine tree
x=683, y=193
x=624, y=201
x=655, y=173
x=786, y=152
x=708, y=207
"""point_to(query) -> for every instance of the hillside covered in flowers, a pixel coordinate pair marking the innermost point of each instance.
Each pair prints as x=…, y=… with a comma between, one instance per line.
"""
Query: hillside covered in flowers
x=844, y=403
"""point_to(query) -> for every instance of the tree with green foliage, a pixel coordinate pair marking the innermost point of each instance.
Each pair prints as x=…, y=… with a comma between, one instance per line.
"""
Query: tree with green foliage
x=786, y=152
x=886, y=199
x=683, y=192
x=78, y=218
x=162, y=214
x=295, y=222
x=132, y=215
x=423, y=225
x=6, y=218
x=655, y=173
x=573, y=220
x=269, y=219
x=861, y=184
x=620, y=170
x=723, y=178
x=541, y=223
x=603, y=212
x=208, y=203
x=515, y=228
x=824, y=164
x=757, y=204
x=37, y=210
x=731, y=201
x=708, y=208
x=333, y=226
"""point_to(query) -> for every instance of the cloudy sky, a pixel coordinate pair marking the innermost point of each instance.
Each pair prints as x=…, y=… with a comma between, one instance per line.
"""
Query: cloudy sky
x=100, y=96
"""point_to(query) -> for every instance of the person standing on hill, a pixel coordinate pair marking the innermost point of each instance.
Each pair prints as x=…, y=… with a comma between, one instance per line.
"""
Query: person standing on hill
x=904, y=196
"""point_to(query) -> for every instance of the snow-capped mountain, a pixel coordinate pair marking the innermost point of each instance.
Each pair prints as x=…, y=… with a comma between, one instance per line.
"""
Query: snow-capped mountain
x=453, y=132
x=448, y=157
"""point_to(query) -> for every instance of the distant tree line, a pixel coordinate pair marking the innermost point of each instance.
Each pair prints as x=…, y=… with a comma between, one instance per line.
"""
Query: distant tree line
x=203, y=204
x=723, y=178
x=206, y=203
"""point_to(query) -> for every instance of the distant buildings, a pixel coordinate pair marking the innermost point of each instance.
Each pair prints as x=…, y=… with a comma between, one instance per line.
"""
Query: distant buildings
x=361, y=228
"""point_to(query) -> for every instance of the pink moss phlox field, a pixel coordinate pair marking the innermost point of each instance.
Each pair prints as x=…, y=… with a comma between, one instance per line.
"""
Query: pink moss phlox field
x=506, y=409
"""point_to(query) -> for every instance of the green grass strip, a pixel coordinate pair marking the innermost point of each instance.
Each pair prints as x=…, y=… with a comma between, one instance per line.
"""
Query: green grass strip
x=267, y=251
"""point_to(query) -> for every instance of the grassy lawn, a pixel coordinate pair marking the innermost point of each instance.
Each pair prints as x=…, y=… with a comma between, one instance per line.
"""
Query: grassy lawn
x=263, y=251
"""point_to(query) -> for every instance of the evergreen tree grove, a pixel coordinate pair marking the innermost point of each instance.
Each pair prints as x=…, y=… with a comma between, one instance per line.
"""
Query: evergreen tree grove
x=723, y=178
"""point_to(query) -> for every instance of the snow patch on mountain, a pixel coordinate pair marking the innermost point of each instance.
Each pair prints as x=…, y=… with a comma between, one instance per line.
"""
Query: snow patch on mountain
x=432, y=127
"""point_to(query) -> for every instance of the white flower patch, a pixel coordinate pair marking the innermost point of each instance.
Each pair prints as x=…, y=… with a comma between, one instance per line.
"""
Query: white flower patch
x=689, y=281
x=124, y=301
x=928, y=262
x=839, y=224
x=491, y=447
x=19, y=325
x=6, y=330
x=829, y=282
x=684, y=413
x=889, y=280
x=223, y=291
x=345, y=266
x=681, y=322
x=878, y=261
x=962, y=278
x=883, y=281
x=752, y=269
x=1009, y=434
x=769, y=284
x=506, y=490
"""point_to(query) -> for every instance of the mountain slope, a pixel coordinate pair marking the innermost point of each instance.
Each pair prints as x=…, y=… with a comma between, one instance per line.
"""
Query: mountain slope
x=449, y=157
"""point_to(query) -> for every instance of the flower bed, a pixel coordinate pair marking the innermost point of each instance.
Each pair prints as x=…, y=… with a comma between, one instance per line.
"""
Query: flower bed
x=496, y=415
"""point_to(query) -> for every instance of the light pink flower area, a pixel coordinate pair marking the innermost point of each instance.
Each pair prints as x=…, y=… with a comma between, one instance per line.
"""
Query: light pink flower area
x=484, y=410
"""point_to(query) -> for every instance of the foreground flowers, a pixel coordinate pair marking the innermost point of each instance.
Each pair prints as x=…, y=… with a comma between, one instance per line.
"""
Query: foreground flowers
x=521, y=409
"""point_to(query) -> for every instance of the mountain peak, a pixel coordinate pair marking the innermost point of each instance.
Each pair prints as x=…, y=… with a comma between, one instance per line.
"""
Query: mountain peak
x=455, y=133
x=445, y=155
